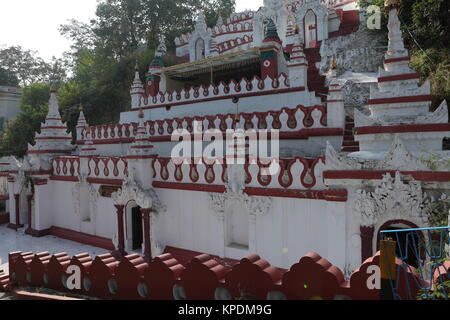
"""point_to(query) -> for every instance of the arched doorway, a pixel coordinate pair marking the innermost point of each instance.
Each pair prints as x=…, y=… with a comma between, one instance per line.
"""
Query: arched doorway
x=200, y=49
x=136, y=228
x=407, y=243
x=310, y=29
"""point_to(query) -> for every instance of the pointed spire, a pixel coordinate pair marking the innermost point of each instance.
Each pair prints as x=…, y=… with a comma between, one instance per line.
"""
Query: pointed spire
x=297, y=54
x=396, y=46
x=141, y=145
x=220, y=21
x=82, y=123
x=53, y=138
x=200, y=24
x=271, y=31
x=53, y=108
x=137, y=89
x=88, y=149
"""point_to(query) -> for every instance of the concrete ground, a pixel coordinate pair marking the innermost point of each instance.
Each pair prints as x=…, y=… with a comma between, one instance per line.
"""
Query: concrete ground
x=11, y=241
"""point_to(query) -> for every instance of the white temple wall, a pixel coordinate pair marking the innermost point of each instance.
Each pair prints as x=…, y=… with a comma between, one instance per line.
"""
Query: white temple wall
x=62, y=212
x=45, y=206
x=289, y=230
x=248, y=104
x=188, y=222
x=295, y=227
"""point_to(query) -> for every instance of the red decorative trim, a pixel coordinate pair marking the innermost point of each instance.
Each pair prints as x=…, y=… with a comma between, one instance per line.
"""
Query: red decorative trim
x=408, y=76
x=328, y=195
x=64, y=178
x=225, y=97
x=54, y=127
x=82, y=238
x=343, y=3
x=40, y=182
x=434, y=127
x=4, y=218
x=366, y=242
x=397, y=59
x=37, y=233
x=153, y=156
x=114, y=182
x=189, y=186
x=39, y=173
x=49, y=151
x=52, y=138
x=4, y=197
x=378, y=175
x=401, y=99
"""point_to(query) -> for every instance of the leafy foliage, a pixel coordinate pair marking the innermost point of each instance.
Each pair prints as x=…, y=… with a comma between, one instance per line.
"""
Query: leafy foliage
x=8, y=78
x=19, y=133
x=27, y=67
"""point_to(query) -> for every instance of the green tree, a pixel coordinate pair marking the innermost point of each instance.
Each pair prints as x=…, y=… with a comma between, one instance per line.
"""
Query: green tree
x=8, y=78
x=20, y=132
x=28, y=67
x=123, y=33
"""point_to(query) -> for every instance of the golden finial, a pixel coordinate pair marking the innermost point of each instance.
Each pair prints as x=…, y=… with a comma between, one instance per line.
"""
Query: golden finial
x=81, y=108
x=136, y=67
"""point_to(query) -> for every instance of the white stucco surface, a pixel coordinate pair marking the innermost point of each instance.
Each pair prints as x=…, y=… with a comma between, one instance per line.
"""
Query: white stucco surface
x=18, y=241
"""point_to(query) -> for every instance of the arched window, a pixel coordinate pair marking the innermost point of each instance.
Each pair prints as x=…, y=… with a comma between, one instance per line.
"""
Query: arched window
x=310, y=27
x=200, y=49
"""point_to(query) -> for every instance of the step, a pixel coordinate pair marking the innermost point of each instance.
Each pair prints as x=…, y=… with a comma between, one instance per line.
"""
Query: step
x=350, y=144
x=350, y=149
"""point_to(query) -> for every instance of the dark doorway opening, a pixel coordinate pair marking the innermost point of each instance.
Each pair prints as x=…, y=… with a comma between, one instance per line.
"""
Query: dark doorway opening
x=407, y=241
x=136, y=228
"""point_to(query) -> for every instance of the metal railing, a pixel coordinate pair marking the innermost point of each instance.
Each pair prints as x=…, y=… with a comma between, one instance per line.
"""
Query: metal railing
x=416, y=263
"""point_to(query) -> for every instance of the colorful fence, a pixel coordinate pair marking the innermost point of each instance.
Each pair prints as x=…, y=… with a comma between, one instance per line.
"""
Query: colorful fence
x=203, y=277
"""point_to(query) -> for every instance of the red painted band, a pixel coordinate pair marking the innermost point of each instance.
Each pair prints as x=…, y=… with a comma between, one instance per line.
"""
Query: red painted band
x=438, y=127
x=378, y=175
x=399, y=77
x=401, y=99
x=189, y=186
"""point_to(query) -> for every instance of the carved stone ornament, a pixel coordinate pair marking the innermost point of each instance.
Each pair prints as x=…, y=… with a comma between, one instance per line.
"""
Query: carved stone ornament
x=132, y=190
x=392, y=199
x=398, y=158
x=256, y=206
x=92, y=196
x=337, y=161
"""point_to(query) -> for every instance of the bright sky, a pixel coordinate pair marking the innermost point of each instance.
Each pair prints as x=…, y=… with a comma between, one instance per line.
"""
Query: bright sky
x=34, y=24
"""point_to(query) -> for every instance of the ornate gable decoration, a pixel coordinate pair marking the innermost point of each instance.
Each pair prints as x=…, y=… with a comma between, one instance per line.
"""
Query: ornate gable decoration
x=256, y=206
x=132, y=190
x=392, y=199
x=398, y=158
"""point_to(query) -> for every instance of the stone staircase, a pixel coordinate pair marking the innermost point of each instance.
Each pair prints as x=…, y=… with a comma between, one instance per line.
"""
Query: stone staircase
x=4, y=281
x=349, y=144
x=316, y=82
